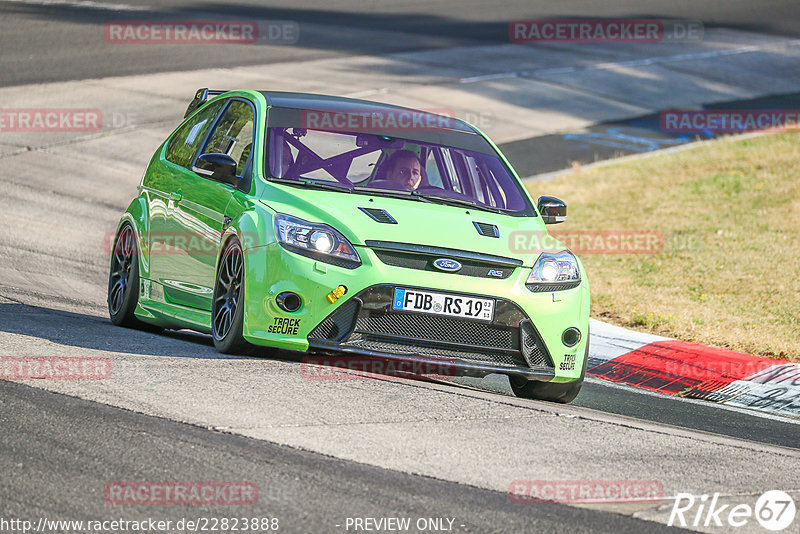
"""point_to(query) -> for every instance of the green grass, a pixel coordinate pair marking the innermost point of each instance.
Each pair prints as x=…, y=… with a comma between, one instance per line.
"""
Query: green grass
x=729, y=271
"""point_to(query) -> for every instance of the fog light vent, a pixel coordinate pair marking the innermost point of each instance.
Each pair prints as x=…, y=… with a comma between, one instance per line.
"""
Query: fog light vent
x=571, y=337
x=288, y=301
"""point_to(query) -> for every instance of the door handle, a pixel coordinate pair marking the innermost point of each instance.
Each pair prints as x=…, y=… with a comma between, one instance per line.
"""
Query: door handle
x=175, y=196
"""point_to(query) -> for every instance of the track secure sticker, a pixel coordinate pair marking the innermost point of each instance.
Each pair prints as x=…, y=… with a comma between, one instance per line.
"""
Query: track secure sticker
x=568, y=364
x=284, y=325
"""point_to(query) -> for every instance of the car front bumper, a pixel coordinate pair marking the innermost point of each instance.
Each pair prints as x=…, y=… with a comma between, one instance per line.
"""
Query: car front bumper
x=523, y=339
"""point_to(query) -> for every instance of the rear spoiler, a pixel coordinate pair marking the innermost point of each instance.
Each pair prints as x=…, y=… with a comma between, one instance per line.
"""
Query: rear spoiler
x=200, y=97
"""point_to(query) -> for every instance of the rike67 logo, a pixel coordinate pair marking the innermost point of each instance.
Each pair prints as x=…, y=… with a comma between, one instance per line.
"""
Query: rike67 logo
x=774, y=510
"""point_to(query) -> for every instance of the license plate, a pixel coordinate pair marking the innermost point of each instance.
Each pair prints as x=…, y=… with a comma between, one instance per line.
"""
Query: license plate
x=441, y=304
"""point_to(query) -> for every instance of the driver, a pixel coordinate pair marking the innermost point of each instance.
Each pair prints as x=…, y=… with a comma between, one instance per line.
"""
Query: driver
x=404, y=168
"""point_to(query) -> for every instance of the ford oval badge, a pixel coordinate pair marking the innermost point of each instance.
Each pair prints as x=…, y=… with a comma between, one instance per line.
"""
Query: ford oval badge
x=446, y=264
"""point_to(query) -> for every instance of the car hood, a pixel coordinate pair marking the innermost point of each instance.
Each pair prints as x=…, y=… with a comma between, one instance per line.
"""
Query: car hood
x=421, y=223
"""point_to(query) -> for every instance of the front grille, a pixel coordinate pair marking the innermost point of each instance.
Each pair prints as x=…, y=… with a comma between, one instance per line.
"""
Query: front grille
x=421, y=257
x=437, y=328
x=340, y=324
x=433, y=352
x=532, y=346
x=410, y=260
x=367, y=321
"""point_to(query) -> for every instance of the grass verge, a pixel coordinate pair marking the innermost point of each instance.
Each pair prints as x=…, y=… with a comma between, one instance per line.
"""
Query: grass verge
x=728, y=273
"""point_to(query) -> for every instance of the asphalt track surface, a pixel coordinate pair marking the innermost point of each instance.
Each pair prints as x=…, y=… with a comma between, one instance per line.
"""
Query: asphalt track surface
x=63, y=451
x=43, y=41
x=79, y=332
x=58, y=451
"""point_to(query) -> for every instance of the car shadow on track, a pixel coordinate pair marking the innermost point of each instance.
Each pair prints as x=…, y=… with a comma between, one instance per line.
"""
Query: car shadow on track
x=23, y=327
x=83, y=331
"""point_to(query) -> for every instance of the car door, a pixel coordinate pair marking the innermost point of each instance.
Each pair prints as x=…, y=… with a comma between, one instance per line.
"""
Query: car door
x=164, y=188
x=202, y=208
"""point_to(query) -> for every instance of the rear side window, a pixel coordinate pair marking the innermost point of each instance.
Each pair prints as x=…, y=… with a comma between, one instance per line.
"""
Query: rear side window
x=184, y=144
x=234, y=134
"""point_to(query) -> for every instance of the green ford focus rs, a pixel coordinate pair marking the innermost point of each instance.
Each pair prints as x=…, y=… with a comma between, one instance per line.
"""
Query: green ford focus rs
x=339, y=226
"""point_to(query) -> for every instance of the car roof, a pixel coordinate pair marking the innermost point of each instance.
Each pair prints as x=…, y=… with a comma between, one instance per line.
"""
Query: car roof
x=442, y=129
x=347, y=105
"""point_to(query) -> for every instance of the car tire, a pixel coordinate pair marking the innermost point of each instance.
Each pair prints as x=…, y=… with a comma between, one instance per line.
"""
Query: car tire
x=564, y=392
x=227, y=309
x=123, y=281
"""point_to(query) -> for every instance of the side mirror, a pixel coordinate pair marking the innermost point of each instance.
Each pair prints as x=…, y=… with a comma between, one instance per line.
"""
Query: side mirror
x=553, y=210
x=219, y=167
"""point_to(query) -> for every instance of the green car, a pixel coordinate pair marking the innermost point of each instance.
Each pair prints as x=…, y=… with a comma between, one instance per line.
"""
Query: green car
x=350, y=228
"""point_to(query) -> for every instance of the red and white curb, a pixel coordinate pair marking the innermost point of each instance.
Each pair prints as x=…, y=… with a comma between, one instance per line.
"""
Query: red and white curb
x=696, y=371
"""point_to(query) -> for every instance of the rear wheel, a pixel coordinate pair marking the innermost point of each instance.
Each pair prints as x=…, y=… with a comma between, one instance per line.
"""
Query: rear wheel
x=563, y=392
x=227, y=311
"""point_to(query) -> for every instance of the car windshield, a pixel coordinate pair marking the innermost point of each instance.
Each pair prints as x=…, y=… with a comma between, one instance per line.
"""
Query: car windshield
x=381, y=164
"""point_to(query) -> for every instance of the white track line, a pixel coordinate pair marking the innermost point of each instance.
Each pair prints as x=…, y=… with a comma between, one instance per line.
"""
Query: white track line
x=79, y=4
x=630, y=63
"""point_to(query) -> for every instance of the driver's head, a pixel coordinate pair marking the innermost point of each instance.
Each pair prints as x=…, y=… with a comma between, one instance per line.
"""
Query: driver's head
x=404, y=167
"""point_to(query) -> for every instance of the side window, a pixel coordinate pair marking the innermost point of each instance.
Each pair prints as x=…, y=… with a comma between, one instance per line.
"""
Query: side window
x=432, y=170
x=184, y=144
x=452, y=175
x=234, y=134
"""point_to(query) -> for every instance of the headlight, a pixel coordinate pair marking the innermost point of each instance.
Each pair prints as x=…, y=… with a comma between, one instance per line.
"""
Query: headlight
x=554, y=271
x=314, y=240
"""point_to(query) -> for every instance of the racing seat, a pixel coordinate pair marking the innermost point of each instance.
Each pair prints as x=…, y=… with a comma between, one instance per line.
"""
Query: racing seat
x=285, y=157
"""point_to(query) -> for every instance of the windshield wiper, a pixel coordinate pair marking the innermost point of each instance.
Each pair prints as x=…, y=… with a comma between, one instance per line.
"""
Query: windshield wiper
x=332, y=186
x=390, y=193
x=457, y=201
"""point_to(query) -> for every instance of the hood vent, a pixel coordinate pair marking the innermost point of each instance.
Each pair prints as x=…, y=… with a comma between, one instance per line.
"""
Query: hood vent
x=382, y=216
x=489, y=230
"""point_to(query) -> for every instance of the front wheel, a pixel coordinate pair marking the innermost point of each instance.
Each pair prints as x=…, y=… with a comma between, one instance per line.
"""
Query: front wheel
x=227, y=311
x=123, y=280
x=564, y=392
x=547, y=391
